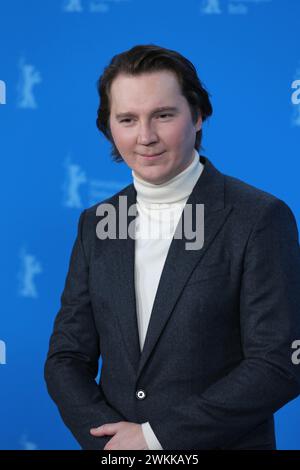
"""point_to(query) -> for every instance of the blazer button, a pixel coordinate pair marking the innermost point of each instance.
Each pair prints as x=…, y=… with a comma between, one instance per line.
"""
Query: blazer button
x=140, y=394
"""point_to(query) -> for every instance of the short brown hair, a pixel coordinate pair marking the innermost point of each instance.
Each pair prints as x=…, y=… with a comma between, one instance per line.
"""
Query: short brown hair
x=150, y=58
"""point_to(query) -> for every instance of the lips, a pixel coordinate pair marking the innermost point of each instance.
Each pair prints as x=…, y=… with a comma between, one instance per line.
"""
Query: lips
x=154, y=155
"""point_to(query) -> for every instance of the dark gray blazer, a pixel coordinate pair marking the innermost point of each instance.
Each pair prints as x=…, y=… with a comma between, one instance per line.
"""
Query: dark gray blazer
x=217, y=359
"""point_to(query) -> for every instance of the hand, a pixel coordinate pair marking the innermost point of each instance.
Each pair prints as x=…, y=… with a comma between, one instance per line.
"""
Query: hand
x=126, y=436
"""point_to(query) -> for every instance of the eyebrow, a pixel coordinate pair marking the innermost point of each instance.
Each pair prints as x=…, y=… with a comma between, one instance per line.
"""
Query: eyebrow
x=156, y=110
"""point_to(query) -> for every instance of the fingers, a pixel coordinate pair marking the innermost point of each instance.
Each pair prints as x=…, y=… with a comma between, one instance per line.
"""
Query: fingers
x=105, y=429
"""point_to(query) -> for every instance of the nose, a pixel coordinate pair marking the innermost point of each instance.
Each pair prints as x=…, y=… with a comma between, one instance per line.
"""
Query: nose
x=146, y=134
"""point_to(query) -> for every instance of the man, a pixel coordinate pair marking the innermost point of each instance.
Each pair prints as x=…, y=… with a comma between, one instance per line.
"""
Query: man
x=196, y=344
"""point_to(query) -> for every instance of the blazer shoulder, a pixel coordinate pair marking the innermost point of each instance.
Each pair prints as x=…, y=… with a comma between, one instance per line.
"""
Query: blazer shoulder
x=88, y=218
x=241, y=192
x=110, y=200
x=252, y=203
x=246, y=197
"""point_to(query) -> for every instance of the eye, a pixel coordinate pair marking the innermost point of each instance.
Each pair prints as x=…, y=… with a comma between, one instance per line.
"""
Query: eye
x=127, y=120
x=169, y=115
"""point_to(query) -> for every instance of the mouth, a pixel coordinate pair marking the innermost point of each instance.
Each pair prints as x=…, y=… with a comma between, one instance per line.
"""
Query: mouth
x=152, y=157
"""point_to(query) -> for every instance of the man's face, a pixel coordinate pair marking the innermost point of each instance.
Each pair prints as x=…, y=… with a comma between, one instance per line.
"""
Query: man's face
x=141, y=131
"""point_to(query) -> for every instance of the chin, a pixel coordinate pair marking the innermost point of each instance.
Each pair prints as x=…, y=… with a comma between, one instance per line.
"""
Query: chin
x=154, y=177
x=146, y=173
x=158, y=180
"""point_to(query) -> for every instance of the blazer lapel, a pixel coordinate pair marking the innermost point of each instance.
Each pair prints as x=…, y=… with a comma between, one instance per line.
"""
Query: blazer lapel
x=120, y=255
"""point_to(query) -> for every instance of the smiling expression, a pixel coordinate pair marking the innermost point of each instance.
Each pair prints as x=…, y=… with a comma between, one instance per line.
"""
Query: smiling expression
x=151, y=125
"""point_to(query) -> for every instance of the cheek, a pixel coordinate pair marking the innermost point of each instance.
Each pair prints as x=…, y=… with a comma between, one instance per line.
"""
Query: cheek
x=177, y=134
x=122, y=137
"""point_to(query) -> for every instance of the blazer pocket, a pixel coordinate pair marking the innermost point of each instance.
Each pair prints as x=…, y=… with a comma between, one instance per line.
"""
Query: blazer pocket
x=209, y=271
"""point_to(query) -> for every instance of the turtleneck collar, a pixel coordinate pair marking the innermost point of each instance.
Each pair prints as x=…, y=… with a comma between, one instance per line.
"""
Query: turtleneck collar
x=172, y=191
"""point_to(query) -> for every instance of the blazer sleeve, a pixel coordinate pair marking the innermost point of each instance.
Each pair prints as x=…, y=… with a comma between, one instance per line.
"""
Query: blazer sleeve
x=266, y=378
x=71, y=365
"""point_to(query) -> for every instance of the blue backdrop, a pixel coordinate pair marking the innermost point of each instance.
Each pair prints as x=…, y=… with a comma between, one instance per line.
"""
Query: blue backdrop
x=55, y=163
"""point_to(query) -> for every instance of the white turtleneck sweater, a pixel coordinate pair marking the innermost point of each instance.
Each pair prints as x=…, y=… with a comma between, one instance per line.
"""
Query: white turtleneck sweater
x=159, y=208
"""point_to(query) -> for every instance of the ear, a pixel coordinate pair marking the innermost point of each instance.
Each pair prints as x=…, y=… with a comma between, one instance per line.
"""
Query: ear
x=198, y=123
